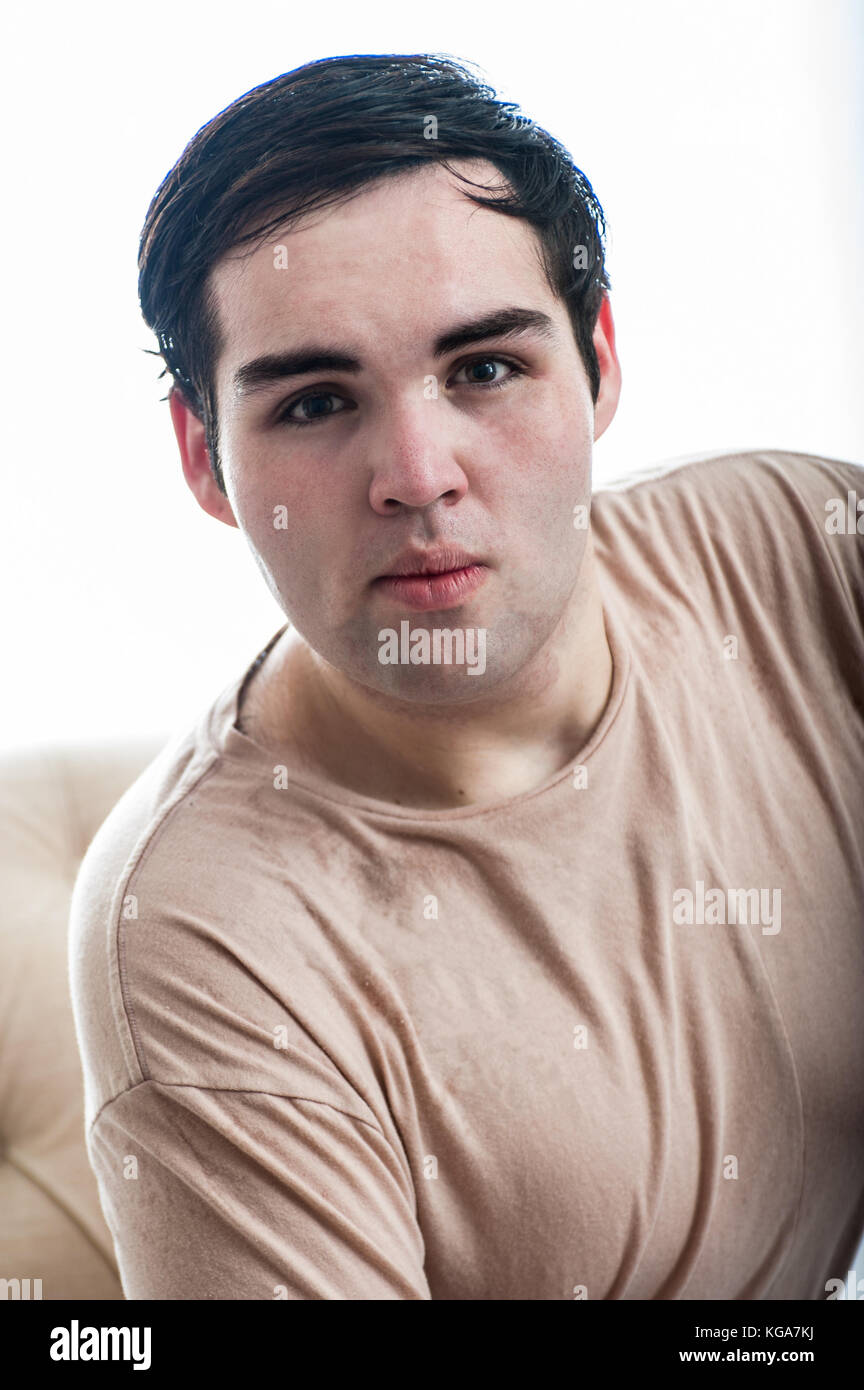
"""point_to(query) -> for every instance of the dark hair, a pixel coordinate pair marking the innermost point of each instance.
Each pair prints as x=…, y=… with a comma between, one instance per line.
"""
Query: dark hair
x=314, y=137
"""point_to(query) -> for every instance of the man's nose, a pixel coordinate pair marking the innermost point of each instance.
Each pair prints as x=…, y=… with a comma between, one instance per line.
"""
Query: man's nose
x=416, y=459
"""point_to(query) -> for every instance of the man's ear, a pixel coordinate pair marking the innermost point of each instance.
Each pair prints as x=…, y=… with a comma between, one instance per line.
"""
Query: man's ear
x=610, y=370
x=191, y=440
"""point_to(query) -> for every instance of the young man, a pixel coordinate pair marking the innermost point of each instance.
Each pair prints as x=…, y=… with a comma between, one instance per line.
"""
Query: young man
x=531, y=973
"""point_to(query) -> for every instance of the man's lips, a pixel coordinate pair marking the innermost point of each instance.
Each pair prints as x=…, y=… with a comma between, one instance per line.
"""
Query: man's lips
x=445, y=589
x=422, y=574
x=437, y=559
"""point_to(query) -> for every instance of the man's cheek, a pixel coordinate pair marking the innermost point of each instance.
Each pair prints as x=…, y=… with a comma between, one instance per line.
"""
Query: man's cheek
x=277, y=520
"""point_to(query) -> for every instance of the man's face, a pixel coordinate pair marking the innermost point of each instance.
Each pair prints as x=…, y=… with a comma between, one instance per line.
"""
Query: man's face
x=412, y=449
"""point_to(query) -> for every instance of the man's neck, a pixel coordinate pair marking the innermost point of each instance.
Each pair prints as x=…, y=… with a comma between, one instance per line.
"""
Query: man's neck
x=454, y=756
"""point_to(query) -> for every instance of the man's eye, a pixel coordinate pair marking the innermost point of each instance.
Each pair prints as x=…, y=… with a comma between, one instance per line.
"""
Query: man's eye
x=485, y=362
x=286, y=418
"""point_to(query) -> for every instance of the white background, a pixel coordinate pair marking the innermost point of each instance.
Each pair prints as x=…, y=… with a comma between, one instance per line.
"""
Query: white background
x=723, y=140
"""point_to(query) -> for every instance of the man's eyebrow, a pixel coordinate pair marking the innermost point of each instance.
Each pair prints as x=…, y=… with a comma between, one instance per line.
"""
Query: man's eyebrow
x=262, y=372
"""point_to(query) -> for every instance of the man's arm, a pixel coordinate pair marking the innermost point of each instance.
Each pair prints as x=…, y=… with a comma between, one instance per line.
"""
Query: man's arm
x=244, y=1195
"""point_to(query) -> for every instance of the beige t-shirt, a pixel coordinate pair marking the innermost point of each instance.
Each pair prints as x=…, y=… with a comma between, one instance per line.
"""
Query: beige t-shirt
x=603, y=1039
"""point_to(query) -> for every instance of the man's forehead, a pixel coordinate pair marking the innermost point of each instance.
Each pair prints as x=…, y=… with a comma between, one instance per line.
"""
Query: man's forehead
x=416, y=270
x=417, y=222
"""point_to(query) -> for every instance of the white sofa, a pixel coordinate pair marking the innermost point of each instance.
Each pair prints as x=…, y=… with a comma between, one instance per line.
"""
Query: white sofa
x=52, y=801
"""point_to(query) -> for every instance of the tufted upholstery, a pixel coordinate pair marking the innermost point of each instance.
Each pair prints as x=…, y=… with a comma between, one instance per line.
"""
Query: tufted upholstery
x=52, y=801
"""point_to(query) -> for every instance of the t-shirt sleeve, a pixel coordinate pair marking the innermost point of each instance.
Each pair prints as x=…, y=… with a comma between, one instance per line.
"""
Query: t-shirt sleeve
x=242, y=1137
x=220, y=1194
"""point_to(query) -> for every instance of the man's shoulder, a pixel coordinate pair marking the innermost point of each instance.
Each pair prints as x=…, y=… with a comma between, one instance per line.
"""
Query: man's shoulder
x=134, y=825
x=713, y=473
x=104, y=902
x=192, y=941
x=764, y=511
x=177, y=842
x=762, y=543
x=172, y=827
x=174, y=933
